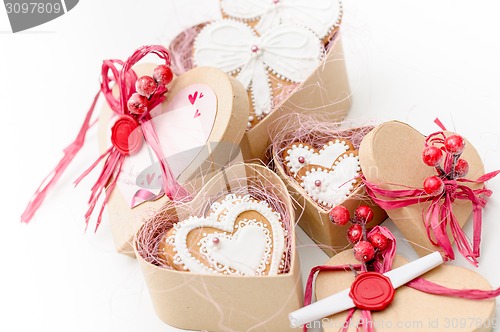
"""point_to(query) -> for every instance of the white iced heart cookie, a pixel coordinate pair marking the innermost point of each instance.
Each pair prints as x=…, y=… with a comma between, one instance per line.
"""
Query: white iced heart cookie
x=330, y=186
x=241, y=236
x=299, y=155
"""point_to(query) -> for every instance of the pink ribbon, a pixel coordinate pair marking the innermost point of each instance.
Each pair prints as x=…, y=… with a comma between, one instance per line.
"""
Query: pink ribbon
x=125, y=79
x=382, y=266
x=440, y=212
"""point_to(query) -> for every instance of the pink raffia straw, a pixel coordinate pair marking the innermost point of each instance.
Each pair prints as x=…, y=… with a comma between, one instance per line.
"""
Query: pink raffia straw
x=125, y=80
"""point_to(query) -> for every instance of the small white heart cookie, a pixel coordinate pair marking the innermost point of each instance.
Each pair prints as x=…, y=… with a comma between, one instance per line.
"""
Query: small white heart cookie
x=331, y=186
x=241, y=236
x=299, y=155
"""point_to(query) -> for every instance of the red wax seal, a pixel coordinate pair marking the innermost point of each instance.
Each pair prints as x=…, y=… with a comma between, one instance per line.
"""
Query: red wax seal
x=372, y=291
x=126, y=135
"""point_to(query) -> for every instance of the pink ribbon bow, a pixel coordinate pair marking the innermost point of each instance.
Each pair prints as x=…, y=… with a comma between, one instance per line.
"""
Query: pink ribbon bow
x=440, y=211
x=125, y=79
x=382, y=266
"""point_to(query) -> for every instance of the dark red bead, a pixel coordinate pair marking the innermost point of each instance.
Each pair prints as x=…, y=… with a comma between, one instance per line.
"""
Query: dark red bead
x=364, y=214
x=354, y=233
x=339, y=215
x=433, y=186
x=364, y=251
x=454, y=144
x=163, y=74
x=379, y=241
x=461, y=168
x=432, y=156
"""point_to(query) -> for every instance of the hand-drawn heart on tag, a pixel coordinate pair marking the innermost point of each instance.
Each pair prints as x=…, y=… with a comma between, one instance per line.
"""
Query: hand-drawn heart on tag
x=182, y=135
x=391, y=157
x=413, y=310
x=194, y=133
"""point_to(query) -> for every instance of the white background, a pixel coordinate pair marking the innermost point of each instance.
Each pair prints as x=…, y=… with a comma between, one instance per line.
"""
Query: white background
x=407, y=60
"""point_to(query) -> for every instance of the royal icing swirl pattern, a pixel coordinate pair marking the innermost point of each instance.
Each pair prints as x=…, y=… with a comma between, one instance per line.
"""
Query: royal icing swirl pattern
x=238, y=246
x=288, y=52
x=321, y=16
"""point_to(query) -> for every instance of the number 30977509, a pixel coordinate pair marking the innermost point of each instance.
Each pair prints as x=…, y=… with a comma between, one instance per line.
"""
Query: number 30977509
x=33, y=8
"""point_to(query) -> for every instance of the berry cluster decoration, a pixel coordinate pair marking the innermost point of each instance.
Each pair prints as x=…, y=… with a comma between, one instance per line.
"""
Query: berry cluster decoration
x=146, y=86
x=454, y=167
x=126, y=135
x=366, y=248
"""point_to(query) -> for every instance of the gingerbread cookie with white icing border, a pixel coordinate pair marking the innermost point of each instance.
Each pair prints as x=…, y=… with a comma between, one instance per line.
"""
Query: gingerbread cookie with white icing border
x=331, y=186
x=298, y=155
x=240, y=236
x=265, y=63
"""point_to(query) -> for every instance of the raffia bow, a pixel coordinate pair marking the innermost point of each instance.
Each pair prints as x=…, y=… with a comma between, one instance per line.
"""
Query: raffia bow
x=124, y=79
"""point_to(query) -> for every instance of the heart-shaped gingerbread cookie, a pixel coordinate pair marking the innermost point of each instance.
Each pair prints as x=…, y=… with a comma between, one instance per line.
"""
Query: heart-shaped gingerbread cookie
x=331, y=186
x=413, y=310
x=241, y=236
x=391, y=158
x=299, y=155
x=203, y=107
x=215, y=301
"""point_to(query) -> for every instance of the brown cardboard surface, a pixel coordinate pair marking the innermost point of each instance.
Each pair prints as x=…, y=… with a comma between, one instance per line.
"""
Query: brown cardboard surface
x=392, y=154
x=413, y=310
x=228, y=130
x=226, y=303
x=326, y=92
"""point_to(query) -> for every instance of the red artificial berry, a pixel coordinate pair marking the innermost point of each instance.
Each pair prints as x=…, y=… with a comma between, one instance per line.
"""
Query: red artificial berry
x=354, y=233
x=163, y=74
x=145, y=86
x=364, y=214
x=339, y=215
x=379, y=241
x=454, y=144
x=432, y=156
x=461, y=168
x=137, y=104
x=433, y=185
x=364, y=251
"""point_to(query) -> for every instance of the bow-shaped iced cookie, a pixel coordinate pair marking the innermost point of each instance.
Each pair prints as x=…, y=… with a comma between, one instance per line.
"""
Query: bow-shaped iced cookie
x=241, y=236
x=321, y=16
x=289, y=53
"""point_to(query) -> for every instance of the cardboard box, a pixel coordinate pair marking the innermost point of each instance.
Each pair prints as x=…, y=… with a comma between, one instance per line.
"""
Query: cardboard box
x=224, y=303
x=412, y=310
x=220, y=148
x=326, y=93
x=391, y=157
x=313, y=218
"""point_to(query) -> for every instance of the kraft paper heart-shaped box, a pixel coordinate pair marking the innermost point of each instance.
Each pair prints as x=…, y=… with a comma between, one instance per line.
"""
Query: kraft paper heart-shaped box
x=192, y=296
x=311, y=150
x=414, y=310
x=391, y=158
x=288, y=56
x=199, y=126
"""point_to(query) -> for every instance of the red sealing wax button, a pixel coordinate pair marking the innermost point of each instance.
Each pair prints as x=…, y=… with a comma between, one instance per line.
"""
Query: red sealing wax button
x=126, y=135
x=372, y=291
